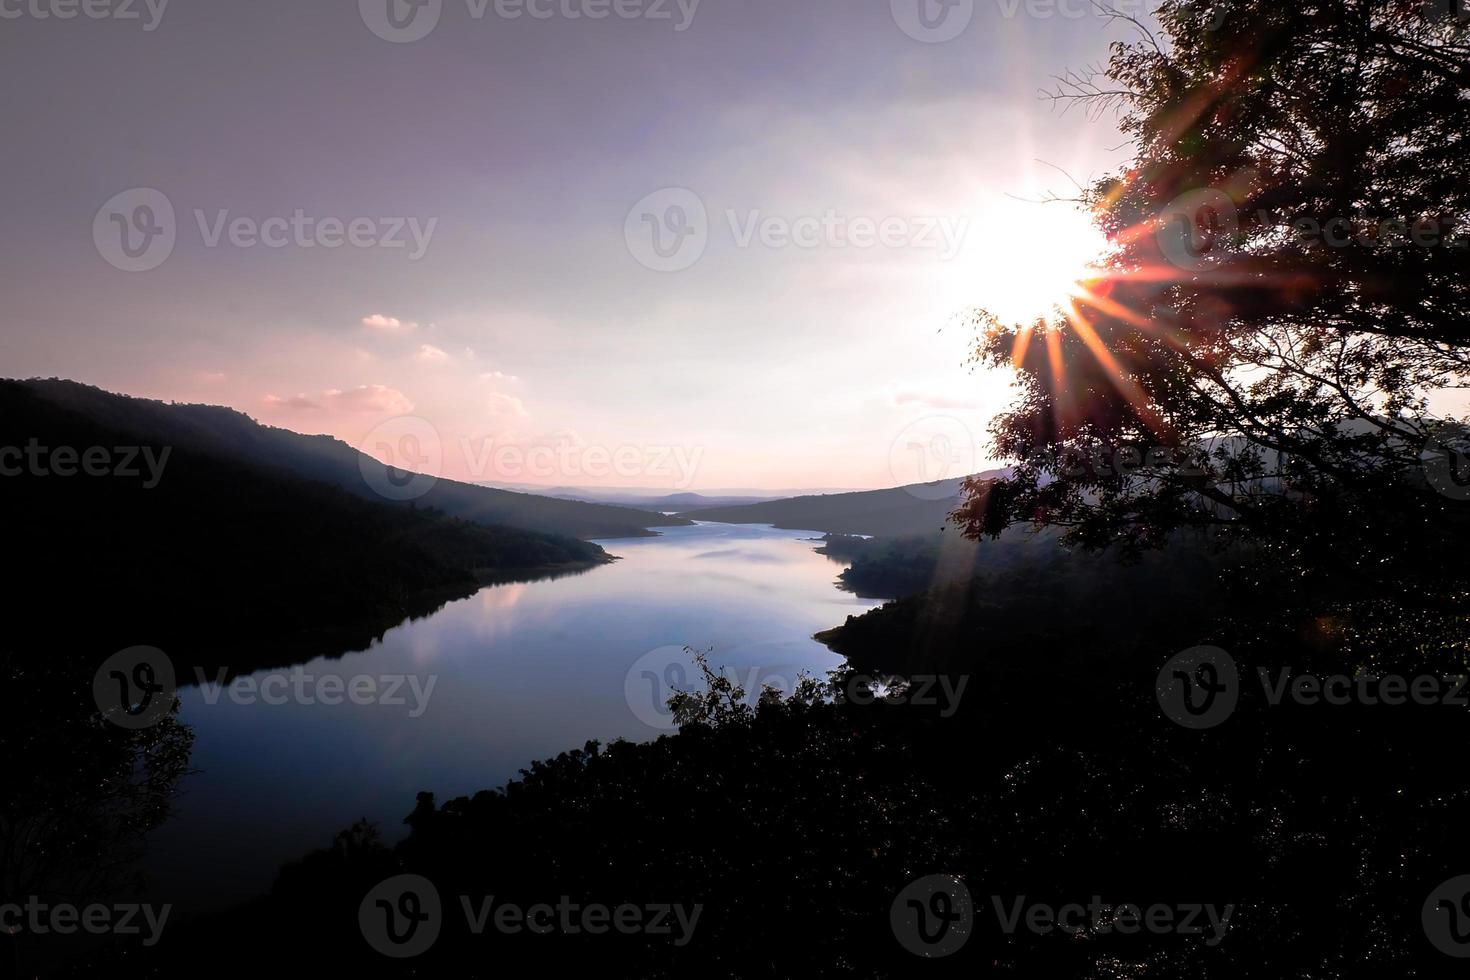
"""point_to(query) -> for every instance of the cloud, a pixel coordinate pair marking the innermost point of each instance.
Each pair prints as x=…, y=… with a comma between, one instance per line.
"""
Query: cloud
x=363, y=398
x=369, y=398
x=431, y=354
x=299, y=402
x=506, y=406
x=499, y=376
x=388, y=324
x=211, y=377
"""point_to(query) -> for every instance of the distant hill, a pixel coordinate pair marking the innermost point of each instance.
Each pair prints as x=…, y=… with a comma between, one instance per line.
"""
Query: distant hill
x=698, y=501
x=918, y=509
x=687, y=501
x=221, y=561
x=229, y=434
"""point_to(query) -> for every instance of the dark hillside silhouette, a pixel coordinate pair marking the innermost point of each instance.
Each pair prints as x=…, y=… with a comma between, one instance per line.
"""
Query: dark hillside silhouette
x=226, y=562
x=232, y=435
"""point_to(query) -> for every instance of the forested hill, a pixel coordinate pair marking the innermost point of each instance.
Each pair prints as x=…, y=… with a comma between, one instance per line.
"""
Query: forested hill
x=219, y=561
x=917, y=509
x=227, y=434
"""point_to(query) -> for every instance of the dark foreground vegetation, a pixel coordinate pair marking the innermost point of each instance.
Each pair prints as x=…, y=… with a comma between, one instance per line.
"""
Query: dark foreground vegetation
x=796, y=825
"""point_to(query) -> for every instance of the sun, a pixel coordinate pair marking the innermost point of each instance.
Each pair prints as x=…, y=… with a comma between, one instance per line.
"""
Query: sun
x=1023, y=259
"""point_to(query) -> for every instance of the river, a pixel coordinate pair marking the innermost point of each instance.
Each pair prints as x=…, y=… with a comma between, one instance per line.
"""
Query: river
x=461, y=700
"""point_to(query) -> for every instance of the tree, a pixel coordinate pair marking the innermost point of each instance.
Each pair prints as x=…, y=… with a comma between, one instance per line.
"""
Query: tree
x=81, y=795
x=1284, y=292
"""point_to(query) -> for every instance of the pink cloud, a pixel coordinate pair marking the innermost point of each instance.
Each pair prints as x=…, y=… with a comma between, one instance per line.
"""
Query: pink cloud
x=369, y=398
x=388, y=324
x=299, y=402
x=363, y=398
x=506, y=406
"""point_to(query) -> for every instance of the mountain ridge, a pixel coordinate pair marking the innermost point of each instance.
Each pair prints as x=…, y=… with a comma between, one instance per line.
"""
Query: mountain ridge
x=918, y=508
x=232, y=434
x=222, y=562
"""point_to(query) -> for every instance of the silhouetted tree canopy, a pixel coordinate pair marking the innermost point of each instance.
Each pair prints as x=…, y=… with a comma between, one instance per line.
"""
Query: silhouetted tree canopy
x=1284, y=292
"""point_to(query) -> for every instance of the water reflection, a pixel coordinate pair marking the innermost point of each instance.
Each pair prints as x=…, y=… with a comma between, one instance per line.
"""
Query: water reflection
x=516, y=672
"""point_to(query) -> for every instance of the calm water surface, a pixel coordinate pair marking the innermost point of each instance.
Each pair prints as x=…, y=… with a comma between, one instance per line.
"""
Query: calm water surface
x=519, y=672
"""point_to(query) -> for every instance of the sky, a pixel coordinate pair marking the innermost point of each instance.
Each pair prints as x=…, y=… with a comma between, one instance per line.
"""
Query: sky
x=560, y=242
